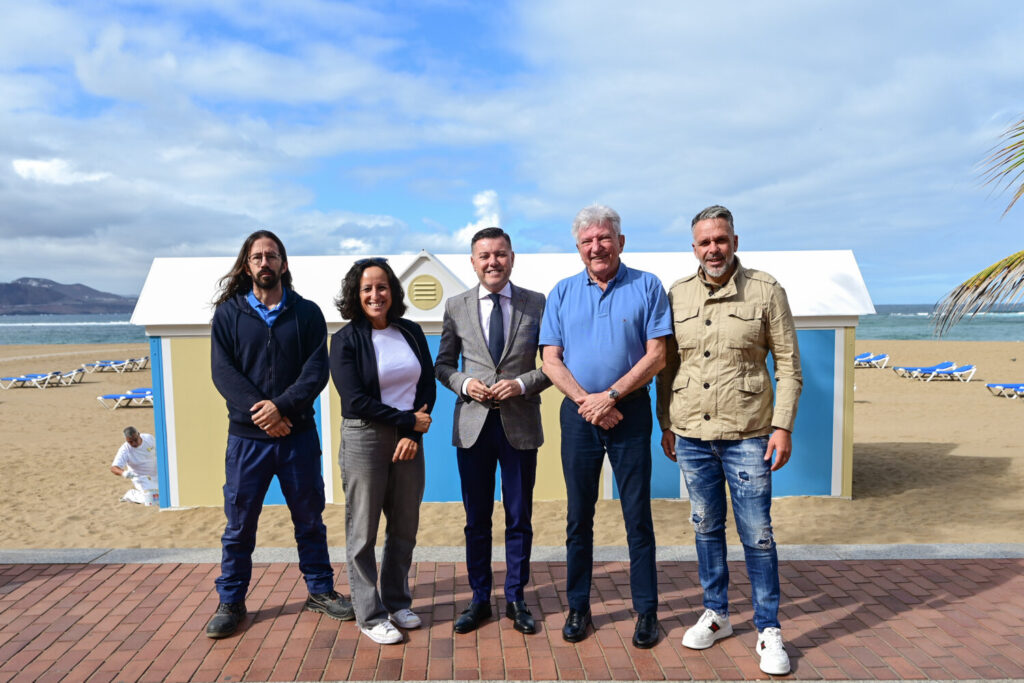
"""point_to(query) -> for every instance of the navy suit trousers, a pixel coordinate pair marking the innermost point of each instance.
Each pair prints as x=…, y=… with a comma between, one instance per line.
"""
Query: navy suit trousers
x=518, y=473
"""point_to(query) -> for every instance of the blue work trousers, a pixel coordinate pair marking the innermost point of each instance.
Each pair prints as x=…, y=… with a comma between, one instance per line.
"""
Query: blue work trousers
x=628, y=445
x=249, y=466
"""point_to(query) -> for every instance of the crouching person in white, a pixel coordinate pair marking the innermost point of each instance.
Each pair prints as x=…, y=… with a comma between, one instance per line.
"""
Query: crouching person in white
x=720, y=424
x=136, y=460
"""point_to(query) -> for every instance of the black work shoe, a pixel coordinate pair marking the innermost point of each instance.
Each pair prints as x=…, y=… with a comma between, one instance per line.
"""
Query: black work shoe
x=472, y=617
x=522, y=620
x=225, y=622
x=333, y=604
x=576, y=624
x=646, y=633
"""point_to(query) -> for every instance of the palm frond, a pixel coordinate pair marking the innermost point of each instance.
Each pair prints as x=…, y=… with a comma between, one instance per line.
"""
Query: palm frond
x=1000, y=283
x=1004, y=166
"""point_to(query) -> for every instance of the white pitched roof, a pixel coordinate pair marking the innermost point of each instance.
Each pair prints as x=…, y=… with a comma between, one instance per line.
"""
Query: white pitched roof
x=179, y=291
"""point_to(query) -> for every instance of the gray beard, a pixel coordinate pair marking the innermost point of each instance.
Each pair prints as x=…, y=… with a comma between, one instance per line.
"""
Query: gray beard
x=718, y=272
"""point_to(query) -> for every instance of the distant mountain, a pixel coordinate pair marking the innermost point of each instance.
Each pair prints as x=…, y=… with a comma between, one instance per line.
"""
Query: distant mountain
x=35, y=296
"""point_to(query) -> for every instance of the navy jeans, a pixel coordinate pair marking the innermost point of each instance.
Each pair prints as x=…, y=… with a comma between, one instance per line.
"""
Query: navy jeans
x=628, y=446
x=706, y=467
x=249, y=465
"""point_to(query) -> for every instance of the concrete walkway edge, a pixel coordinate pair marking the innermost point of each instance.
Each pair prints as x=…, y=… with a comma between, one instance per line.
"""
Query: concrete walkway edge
x=901, y=551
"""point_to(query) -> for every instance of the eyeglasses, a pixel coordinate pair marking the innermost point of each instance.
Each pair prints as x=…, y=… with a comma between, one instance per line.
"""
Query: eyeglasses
x=270, y=256
x=372, y=259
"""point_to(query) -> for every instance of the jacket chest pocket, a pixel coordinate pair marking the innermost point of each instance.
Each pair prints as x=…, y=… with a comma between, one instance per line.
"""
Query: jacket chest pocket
x=687, y=329
x=743, y=325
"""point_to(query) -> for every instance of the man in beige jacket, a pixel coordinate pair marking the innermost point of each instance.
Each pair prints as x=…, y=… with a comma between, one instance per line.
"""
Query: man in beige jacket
x=720, y=424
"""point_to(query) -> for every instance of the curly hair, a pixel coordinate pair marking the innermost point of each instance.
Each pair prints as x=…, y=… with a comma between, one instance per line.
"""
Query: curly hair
x=347, y=302
x=238, y=280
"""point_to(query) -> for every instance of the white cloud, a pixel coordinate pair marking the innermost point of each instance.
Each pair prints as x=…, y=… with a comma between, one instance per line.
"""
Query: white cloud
x=55, y=171
x=340, y=126
x=487, y=210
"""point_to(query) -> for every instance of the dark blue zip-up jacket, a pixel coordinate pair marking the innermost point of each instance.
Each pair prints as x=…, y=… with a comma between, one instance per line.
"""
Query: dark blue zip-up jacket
x=286, y=362
x=354, y=371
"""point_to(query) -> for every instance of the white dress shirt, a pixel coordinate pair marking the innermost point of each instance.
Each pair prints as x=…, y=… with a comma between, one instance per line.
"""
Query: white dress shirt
x=484, y=308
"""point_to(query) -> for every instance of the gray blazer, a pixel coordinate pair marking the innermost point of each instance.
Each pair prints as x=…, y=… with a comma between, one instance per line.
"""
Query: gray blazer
x=461, y=334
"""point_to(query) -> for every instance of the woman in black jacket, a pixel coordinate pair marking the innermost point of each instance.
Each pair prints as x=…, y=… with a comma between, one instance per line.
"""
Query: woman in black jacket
x=384, y=373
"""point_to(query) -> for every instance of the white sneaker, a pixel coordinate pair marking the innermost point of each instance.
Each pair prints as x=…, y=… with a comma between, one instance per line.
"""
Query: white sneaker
x=774, y=659
x=384, y=633
x=710, y=627
x=406, y=618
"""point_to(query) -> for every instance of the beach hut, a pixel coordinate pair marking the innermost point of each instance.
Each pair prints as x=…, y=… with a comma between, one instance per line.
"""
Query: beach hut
x=825, y=289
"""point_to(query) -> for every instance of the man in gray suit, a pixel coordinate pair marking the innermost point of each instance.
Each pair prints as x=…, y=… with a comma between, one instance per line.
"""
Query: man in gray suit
x=495, y=328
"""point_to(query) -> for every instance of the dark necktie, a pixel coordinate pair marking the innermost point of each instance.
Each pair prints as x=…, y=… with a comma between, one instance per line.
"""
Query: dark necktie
x=495, y=330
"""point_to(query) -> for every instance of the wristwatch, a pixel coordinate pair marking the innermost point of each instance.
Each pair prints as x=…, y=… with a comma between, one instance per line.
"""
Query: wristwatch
x=613, y=394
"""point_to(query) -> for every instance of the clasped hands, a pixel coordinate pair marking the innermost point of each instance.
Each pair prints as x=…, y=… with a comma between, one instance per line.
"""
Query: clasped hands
x=599, y=409
x=267, y=417
x=499, y=391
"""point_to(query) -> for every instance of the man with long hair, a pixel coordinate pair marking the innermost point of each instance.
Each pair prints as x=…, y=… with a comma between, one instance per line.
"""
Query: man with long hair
x=269, y=361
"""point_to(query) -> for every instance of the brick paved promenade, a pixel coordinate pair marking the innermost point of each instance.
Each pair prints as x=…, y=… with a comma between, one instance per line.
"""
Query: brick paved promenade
x=842, y=619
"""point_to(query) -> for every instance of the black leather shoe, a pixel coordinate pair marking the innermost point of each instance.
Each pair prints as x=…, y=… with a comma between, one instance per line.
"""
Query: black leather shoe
x=576, y=625
x=333, y=604
x=472, y=617
x=522, y=620
x=646, y=633
x=225, y=622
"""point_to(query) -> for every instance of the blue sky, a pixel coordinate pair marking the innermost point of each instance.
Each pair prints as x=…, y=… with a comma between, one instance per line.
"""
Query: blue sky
x=132, y=130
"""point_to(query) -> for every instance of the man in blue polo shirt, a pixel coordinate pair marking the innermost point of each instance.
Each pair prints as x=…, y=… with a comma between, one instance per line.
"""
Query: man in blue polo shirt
x=603, y=341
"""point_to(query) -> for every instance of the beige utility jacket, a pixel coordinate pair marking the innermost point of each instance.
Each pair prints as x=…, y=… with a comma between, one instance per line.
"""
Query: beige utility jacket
x=715, y=384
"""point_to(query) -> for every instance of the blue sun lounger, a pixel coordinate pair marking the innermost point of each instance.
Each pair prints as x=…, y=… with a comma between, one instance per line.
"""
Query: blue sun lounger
x=918, y=370
x=98, y=366
x=40, y=380
x=879, y=361
x=964, y=373
x=136, y=397
x=861, y=356
x=13, y=382
x=73, y=377
x=1007, y=389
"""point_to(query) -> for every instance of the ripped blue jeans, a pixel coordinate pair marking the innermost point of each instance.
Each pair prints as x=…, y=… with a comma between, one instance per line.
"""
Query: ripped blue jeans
x=706, y=467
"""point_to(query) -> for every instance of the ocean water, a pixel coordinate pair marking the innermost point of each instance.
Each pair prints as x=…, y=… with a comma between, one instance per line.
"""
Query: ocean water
x=914, y=321
x=904, y=321
x=69, y=329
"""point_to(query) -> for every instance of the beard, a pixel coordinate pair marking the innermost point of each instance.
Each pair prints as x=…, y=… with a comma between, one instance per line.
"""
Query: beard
x=719, y=271
x=266, y=279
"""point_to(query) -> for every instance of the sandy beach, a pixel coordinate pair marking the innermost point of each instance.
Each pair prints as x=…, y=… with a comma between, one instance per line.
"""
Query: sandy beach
x=933, y=463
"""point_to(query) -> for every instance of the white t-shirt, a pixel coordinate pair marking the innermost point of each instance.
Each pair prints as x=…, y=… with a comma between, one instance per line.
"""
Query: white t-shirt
x=141, y=460
x=398, y=368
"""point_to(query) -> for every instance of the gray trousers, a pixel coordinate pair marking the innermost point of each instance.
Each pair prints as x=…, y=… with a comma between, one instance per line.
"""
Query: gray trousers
x=373, y=484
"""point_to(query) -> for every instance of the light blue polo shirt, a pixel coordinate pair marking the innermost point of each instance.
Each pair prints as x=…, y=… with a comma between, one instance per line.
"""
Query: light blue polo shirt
x=604, y=333
x=269, y=315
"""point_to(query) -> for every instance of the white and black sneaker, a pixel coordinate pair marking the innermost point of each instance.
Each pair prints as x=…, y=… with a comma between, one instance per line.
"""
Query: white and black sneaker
x=774, y=659
x=710, y=627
